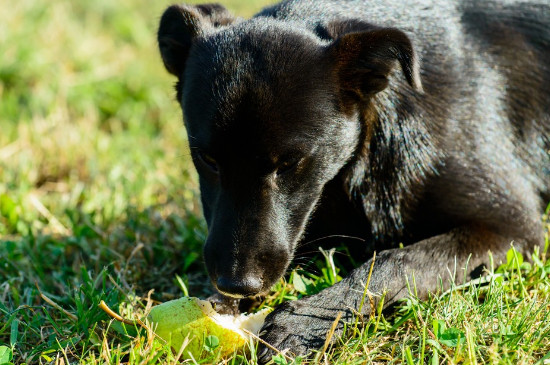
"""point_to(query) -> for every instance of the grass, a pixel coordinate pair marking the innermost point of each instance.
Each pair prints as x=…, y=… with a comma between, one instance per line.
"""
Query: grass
x=98, y=201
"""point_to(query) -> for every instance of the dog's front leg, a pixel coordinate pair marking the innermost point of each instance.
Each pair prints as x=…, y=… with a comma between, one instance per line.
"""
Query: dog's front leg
x=302, y=325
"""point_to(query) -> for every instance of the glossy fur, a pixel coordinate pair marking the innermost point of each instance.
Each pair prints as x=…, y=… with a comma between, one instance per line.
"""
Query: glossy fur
x=425, y=123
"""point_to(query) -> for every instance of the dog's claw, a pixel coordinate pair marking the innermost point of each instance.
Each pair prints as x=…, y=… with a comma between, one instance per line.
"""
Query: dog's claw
x=262, y=355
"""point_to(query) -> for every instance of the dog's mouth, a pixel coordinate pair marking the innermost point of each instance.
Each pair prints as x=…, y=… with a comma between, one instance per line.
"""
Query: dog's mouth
x=242, y=295
x=237, y=296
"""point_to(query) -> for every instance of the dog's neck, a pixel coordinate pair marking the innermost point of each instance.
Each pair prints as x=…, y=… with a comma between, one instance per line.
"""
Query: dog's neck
x=395, y=156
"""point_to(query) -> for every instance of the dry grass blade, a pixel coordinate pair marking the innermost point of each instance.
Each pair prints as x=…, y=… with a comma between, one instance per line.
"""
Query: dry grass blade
x=267, y=344
x=331, y=331
x=119, y=318
x=55, y=305
x=55, y=223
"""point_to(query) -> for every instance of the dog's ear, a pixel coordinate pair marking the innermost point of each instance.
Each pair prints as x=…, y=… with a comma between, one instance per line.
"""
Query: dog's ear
x=180, y=24
x=364, y=60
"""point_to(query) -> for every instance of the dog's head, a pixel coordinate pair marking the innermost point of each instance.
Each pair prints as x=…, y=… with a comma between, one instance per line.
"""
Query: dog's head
x=273, y=113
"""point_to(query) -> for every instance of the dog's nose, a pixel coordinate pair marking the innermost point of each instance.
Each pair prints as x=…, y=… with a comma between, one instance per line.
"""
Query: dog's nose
x=239, y=288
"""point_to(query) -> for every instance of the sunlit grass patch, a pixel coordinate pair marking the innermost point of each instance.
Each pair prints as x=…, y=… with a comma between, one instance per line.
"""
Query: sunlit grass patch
x=503, y=318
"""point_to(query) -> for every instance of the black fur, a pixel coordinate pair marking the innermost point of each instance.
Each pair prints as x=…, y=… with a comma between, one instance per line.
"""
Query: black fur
x=425, y=123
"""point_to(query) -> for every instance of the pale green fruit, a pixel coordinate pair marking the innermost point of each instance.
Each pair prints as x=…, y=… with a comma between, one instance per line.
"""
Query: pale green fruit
x=192, y=320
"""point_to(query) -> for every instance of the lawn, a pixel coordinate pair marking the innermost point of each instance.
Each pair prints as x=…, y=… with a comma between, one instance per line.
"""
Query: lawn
x=98, y=201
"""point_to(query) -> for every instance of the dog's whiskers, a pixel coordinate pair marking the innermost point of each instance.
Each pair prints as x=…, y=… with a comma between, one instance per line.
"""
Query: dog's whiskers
x=301, y=244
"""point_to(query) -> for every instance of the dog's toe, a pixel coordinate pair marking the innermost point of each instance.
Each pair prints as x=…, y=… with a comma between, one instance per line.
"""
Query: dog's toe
x=294, y=329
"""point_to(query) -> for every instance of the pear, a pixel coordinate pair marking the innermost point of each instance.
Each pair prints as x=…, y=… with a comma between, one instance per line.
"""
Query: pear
x=190, y=321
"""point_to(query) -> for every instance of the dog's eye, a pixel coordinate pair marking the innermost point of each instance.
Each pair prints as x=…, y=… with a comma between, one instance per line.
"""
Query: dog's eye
x=208, y=161
x=287, y=166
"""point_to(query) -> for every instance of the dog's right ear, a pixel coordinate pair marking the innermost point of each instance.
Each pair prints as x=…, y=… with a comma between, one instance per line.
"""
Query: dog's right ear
x=180, y=24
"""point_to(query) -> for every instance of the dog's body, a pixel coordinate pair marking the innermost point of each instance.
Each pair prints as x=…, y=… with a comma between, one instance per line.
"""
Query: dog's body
x=425, y=123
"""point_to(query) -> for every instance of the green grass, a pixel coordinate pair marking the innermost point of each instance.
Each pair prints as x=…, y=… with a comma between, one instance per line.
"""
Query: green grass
x=98, y=201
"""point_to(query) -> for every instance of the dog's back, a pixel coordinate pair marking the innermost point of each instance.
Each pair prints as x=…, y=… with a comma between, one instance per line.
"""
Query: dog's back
x=485, y=70
x=501, y=47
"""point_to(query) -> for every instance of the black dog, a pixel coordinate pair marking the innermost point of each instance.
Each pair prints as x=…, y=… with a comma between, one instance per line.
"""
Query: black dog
x=425, y=123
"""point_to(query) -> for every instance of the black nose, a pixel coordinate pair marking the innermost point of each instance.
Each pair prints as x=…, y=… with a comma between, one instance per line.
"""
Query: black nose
x=239, y=287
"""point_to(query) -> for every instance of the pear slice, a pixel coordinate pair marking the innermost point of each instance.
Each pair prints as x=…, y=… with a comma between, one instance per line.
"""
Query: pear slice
x=191, y=320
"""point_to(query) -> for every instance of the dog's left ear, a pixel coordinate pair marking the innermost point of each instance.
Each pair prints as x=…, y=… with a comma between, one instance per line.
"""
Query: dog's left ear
x=364, y=60
x=180, y=25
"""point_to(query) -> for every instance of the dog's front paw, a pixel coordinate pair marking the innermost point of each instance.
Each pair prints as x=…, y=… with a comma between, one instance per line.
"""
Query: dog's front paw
x=299, y=327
